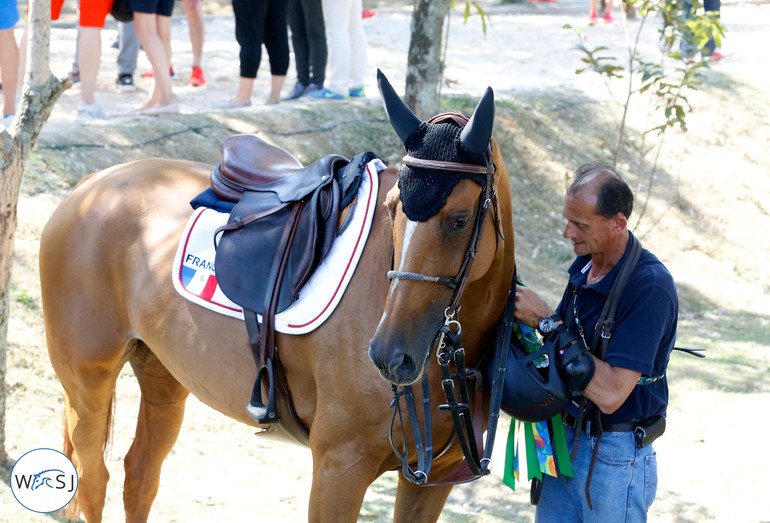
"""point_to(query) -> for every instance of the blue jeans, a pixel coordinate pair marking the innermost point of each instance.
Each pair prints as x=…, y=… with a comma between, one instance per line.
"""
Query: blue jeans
x=622, y=488
x=687, y=48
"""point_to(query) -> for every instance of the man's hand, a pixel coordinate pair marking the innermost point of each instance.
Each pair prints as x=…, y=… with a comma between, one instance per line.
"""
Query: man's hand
x=530, y=307
x=573, y=361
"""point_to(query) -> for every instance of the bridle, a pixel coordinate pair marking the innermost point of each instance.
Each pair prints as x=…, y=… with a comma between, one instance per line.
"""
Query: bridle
x=450, y=353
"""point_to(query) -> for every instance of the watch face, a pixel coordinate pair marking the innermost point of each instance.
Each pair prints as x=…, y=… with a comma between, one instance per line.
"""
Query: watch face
x=546, y=325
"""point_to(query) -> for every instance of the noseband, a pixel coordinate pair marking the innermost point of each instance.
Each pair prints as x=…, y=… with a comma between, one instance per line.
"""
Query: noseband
x=467, y=425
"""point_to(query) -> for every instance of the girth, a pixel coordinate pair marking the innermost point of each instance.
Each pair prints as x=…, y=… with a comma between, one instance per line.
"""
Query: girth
x=279, y=231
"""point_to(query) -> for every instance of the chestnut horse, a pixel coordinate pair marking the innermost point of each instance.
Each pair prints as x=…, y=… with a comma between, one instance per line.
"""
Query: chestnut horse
x=108, y=300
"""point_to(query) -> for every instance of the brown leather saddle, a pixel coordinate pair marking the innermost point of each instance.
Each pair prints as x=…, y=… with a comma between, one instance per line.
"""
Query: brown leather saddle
x=280, y=229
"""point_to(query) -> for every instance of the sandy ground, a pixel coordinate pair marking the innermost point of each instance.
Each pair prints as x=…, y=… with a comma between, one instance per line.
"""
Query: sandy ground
x=525, y=48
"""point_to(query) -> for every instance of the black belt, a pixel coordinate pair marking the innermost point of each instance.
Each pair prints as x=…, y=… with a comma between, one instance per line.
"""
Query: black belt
x=626, y=426
x=645, y=432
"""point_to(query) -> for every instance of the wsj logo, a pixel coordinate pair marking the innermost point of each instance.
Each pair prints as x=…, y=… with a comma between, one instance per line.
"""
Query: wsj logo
x=44, y=480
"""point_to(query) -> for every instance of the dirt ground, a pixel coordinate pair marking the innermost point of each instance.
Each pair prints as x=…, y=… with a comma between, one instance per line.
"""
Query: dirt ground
x=711, y=460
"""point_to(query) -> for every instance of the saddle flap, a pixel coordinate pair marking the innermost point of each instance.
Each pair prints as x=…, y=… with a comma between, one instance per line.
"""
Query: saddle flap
x=245, y=256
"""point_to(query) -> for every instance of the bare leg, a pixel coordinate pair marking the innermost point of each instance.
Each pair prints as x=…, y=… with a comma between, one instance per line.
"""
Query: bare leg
x=193, y=9
x=276, y=84
x=245, y=87
x=149, y=28
x=9, y=69
x=89, y=56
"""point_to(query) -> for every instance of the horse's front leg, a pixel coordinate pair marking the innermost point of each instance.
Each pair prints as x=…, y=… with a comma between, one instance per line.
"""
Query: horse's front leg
x=419, y=504
x=341, y=474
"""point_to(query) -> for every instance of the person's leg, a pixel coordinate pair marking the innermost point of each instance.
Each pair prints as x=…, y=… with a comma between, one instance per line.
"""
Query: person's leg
x=592, y=10
x=316, y=38
x=357, y=77
x=129, y=48
x=711, y=6
x=277, y=45
x=9, y=69
x=249, y=32
x=89, y=56
x=336, y=14
x=299, y=41
x=193, y=9
x=147, y=26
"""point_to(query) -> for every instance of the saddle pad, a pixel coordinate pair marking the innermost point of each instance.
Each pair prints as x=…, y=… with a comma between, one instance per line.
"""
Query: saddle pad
x=193, y=268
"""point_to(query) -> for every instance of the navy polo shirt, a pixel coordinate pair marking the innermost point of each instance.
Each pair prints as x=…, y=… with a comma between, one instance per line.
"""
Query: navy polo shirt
x=644, y=326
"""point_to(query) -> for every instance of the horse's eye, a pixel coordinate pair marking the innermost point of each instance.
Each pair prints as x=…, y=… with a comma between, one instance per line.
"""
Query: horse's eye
x=460, y=223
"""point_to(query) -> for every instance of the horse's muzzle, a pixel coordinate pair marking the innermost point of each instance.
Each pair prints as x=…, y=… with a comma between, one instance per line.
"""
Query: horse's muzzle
x=397, y=365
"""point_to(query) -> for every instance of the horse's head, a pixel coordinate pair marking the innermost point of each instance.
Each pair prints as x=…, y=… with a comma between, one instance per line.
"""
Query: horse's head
x=448, y=244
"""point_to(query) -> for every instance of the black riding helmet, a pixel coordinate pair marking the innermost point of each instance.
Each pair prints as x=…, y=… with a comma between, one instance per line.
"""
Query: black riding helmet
x=533, y=393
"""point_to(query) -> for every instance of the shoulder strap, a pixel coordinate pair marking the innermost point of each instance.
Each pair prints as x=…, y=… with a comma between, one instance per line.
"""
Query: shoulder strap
x=605, y=323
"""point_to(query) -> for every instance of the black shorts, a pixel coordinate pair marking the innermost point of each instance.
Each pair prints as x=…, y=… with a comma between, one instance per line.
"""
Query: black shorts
x=160, y=7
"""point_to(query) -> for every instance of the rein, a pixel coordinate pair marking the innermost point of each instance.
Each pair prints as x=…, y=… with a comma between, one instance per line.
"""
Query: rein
x=450, y=354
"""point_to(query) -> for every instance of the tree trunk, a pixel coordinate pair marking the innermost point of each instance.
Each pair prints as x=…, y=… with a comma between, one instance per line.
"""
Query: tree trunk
x=424, y=64
x=41, y=90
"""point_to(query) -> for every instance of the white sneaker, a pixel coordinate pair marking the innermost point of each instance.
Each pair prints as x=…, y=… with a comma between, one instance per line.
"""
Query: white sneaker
x=8, y=120
x=92, y=111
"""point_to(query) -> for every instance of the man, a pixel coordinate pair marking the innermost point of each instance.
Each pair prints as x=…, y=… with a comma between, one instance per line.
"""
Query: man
x=628, y=386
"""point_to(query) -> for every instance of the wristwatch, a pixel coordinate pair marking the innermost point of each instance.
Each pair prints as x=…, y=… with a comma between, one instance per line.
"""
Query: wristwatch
x=548, y=324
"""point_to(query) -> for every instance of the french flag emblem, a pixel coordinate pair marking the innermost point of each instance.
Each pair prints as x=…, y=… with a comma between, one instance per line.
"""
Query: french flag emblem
x=199, y=282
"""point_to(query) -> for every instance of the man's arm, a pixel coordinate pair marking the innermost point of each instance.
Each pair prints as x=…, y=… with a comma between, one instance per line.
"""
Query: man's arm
x=610, y=386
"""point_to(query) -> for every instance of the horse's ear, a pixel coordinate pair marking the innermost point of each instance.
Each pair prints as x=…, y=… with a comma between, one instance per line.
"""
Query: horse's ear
x=391, y=201
x=403, y=120
x=477, y=132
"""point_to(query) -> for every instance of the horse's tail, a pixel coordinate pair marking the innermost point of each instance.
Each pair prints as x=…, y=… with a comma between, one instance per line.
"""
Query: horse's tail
x=72, y=510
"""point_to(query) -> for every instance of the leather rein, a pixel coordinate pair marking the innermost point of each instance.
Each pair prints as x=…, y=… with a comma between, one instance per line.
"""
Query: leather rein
x=468, y=426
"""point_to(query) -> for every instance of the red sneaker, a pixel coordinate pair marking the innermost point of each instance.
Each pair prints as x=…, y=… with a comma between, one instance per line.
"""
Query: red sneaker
x=368, y=13
x=151, y=74
x=592, y=19
x=715, y=57
x=196, y=78
x=608, y=18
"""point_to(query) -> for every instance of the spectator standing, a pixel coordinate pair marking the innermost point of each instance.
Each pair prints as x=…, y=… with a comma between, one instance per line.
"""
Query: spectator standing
x=308, y=38
x=260, y=22
x=346, y=41
x=152, y=22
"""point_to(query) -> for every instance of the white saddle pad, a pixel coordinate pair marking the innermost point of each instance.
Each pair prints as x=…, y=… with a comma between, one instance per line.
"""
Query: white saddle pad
x=194, y=277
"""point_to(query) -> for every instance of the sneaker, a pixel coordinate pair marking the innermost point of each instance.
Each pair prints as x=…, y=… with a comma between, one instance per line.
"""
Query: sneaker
x=593, y=18
x=358, y=92
x=151, y=73
x=312, y=88
x=196, y=78
x=8, y=120
x=92, y=111
x=368, y=13
x=325, y=94
x=296, y=91
x=75, y=76
x=608, y=18
x=125, y=83
x=713, y=57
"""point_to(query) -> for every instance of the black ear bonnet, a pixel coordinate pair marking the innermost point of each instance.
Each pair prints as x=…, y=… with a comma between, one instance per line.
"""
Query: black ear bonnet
x=424, y=191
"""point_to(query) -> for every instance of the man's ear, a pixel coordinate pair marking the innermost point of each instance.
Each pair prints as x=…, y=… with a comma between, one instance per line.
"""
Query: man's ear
x=621, y=222
x=391, y=201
